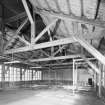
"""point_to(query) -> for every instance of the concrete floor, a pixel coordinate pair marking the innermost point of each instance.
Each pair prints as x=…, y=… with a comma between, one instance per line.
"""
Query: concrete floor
x=49, y=96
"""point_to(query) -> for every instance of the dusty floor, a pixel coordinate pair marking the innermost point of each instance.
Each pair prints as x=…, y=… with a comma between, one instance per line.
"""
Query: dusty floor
x=52, y=96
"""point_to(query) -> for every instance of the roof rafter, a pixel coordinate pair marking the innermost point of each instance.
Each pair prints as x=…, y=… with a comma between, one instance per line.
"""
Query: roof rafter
x=73, y=18
x=90, y=49
x=60, y=16
x=27, y=11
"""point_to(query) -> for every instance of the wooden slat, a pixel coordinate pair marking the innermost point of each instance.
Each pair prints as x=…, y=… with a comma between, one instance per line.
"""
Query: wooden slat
x=41, y=45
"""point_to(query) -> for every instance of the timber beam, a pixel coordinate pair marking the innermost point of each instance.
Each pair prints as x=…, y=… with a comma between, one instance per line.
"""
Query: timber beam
x=55, y=58
x=90, y=49
x=45, y=30
x=27, y=11
x=72, y=18
x=41, y=45
x=61, y=16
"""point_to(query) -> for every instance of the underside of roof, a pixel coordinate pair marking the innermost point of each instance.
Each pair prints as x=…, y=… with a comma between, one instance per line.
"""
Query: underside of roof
x=45, y=32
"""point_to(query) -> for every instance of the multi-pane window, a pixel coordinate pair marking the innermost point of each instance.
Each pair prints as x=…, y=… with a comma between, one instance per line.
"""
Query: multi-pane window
x=37, y=75
x=26, y=75
x=13, y=74
x=34, y=77
x=17, y=74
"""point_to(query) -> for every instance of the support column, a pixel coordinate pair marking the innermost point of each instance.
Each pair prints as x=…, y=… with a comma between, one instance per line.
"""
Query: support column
x=3, y=76
x=76, y=77
x=20, y=74
x=20, y=77
x=32, y=75
x=95, y=82
x=73, y=76
x=49, y=76
x=100, y=81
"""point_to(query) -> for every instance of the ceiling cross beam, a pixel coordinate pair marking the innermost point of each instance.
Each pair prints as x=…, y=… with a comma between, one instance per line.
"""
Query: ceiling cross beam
x=55, y=58
x=41, y=45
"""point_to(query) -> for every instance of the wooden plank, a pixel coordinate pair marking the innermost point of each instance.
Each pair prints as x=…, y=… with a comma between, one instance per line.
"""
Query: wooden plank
x=90, y=49
x=41, y=45
x=73, y=18
x=16, y=33
x=45, y=30
x=27, y=11
x=55, y=58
